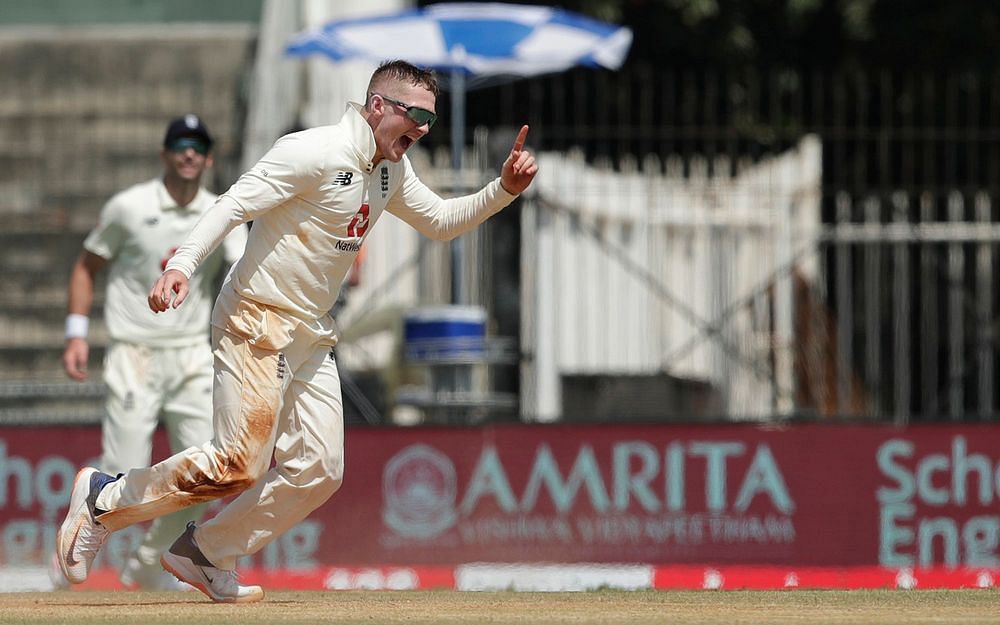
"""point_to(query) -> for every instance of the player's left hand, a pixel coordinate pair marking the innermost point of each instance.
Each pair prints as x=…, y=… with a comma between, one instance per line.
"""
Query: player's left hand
x=520, y=168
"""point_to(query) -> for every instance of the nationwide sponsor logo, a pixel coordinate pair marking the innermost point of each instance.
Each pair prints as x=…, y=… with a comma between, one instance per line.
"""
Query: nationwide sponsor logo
x=359, y=223
x=384, y=181
x=166, y=259
x=343, y=178
x=282, y=365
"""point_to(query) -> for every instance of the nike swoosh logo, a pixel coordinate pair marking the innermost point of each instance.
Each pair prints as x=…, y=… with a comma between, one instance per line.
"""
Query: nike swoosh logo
x=70, y=560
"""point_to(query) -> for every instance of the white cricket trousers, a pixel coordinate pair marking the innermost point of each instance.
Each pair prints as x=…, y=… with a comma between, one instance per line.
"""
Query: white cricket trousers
x=147, y=385
x=287, y=402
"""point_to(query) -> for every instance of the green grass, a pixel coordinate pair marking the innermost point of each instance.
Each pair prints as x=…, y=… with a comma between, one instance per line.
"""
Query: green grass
x=875, y=607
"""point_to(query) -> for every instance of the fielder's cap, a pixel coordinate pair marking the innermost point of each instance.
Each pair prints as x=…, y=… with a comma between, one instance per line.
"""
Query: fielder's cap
x=189, y=125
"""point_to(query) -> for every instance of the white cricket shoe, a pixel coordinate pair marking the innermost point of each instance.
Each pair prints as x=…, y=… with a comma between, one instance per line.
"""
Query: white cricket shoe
x=137, y=575
x=186, y=561
x=81, y=536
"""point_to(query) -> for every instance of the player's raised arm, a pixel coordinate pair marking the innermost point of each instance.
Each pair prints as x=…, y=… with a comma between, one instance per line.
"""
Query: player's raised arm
x=520, y=168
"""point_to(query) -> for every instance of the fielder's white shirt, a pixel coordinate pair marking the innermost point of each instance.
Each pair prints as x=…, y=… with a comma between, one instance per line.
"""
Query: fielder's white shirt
x=313, y=198
x=138, y=230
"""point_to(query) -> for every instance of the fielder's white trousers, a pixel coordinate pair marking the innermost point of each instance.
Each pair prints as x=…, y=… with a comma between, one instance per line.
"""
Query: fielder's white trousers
x=287, y=402
x=147, y=385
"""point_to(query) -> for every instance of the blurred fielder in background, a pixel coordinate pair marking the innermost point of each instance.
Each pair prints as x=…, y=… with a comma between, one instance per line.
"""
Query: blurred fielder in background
x=313, y=197
x=156, y=367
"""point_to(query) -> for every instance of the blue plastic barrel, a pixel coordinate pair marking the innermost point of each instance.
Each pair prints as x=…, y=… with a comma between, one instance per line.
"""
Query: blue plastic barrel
x=445, y=334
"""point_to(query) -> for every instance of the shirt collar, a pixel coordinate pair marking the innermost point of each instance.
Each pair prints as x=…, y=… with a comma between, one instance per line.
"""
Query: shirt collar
x=166, y=202
x=361, y=136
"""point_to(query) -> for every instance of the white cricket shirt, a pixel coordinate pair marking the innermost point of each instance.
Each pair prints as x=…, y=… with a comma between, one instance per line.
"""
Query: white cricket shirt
x=313, y=198
x=138, y=230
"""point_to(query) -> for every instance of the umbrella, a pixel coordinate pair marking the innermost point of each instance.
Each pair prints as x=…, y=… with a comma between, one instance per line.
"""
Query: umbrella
x=476, y=39
x=472, y=44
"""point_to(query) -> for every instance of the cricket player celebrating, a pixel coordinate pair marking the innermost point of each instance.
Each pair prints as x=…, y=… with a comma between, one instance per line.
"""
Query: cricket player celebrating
x=155, y=369
x=313, y=197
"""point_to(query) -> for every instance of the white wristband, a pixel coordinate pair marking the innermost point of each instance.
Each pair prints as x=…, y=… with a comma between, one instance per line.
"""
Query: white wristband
x=76, y=326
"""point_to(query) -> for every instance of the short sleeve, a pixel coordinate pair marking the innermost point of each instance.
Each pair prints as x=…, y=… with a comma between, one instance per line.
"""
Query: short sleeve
x=105, y=240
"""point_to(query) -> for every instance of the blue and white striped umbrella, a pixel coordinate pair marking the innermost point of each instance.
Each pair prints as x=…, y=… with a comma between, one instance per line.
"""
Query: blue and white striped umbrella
x=476, y=39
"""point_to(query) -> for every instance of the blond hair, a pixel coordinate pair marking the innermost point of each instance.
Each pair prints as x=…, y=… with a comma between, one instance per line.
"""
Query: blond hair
x=401, y=71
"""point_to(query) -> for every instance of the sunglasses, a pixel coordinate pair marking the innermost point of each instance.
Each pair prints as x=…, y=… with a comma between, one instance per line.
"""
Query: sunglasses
x=182, y=144
x=418, y=115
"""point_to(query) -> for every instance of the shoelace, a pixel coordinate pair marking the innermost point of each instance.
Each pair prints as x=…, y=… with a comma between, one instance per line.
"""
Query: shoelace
x=91, y=538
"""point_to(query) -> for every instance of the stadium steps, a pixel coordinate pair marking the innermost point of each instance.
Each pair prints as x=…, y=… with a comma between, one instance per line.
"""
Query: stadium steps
x=82, y=114
x=56, y=401
x=41, y=250
x=43, y=362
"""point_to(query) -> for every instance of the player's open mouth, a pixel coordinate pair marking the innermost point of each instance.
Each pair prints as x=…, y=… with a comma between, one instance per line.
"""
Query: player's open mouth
x=405, y=142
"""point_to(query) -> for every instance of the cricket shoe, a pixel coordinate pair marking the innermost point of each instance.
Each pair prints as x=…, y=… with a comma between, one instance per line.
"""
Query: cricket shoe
x=81, y=536
x=186, y=561
x=138, y=575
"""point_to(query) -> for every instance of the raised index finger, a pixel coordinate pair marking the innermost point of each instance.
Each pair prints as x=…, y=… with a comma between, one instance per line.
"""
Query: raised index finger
x=521, y=136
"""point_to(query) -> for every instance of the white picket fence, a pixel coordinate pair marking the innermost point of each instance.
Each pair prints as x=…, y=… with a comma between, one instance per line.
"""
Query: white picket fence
x=658, y=269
